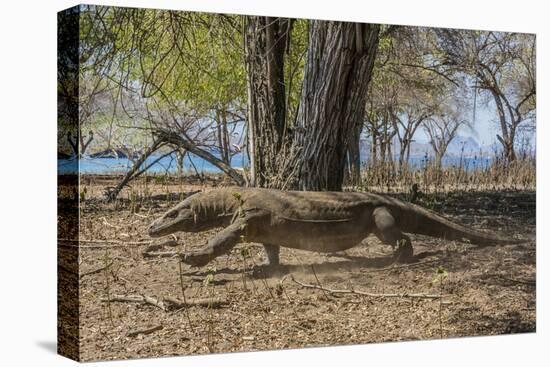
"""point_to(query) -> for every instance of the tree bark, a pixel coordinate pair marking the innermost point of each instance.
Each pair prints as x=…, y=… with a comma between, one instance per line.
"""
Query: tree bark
x=336, y=78
x=354, y=156
x=265, y=44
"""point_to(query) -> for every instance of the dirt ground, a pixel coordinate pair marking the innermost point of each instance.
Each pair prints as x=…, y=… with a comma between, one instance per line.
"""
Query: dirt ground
x=485, y=291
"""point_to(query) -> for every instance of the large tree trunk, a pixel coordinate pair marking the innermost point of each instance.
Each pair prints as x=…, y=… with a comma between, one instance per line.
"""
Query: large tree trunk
x=337, y=73
x=354, y=156
x=373, y=148
x=507, y=135
x=265, y=44
x=222, y=135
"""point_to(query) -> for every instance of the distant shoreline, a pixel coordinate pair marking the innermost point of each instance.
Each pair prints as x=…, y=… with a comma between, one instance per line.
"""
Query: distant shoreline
x=197, y=165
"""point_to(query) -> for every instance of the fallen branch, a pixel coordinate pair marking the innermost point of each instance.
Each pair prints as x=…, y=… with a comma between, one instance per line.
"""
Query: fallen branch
x=401, y=266
x=174, y=303
x=109, y=224
x=520, y=281
x=168, y=303
x=367, y=294
x=111, y=193
x=98, y=270
x=151, y=254
x=136, y=298
x=144, y=331
x=173, y=138
x=153, y=301
x=106, y=243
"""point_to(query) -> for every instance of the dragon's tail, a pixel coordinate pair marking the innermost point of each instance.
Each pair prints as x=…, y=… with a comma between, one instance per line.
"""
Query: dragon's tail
x=415, y=219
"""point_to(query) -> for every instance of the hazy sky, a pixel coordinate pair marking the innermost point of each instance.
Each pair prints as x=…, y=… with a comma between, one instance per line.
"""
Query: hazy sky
x=485, y=127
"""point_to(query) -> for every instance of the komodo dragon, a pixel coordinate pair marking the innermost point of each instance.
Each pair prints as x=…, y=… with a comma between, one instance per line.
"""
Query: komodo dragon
x=313, y=221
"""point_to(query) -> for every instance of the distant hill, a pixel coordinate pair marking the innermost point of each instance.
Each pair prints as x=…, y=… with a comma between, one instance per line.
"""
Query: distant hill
x=419, y=149
x=470, y=145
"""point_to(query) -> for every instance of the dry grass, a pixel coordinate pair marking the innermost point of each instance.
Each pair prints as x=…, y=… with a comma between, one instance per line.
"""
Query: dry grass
x=487, y=291
x=498, y=175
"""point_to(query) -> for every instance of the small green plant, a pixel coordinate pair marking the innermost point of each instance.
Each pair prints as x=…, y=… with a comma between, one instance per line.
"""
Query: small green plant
x=209, y=278
x=83, y=194
x=239, y=212
x=440, y=275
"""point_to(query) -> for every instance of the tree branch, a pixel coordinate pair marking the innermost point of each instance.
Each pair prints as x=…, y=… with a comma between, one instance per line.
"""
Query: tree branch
x=171, y=137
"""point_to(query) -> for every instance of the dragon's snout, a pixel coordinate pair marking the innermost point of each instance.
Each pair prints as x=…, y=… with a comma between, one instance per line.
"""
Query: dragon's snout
x=152, y=230
x=182, y=218
x=171, y=222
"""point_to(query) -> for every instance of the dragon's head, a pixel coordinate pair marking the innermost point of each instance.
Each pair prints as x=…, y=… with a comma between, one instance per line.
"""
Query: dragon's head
x=181, y=218
x=198, y=212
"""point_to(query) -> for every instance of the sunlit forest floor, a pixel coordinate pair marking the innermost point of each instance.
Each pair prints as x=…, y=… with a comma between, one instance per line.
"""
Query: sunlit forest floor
x=485, y=291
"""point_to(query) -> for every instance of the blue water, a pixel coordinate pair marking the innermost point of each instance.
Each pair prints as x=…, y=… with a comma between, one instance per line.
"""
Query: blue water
x=122, y=165
x=169, y=164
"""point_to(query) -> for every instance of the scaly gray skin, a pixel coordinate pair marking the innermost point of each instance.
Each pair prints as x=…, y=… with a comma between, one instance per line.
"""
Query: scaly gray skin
x=313, y=221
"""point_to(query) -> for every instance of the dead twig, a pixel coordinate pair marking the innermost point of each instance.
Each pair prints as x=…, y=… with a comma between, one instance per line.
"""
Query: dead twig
x=168, y=303
x=105, y=243
x=95, y=271
x=109, y=224
x=152, y=254
x=291, y=304
x=174, y=303
x=136, y=298
x=520, y=281
x=402, y=266
x=368, y=294
x=318, y=283
x=144, y=331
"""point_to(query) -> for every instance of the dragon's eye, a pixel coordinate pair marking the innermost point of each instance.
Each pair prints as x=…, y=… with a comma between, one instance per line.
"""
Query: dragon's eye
x=172, y=214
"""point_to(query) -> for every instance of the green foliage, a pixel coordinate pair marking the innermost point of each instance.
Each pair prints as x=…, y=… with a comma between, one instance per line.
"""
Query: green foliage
x=209, y=278
x=150, y=60
x=83, y=193
x=294, y=66
x=245, y=252
x=136, y=65
x=440, y=275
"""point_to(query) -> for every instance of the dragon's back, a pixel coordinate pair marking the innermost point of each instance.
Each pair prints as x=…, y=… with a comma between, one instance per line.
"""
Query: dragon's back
x=306, y=205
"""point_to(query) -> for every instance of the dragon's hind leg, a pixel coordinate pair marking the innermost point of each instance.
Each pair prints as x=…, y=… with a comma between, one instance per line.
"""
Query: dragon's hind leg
x=272, y=252
x=388, y=232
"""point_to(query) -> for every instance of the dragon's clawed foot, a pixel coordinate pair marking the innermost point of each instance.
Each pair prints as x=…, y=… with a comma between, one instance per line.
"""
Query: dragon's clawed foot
x=266, y=269
x=404, y=251
x=196, y=258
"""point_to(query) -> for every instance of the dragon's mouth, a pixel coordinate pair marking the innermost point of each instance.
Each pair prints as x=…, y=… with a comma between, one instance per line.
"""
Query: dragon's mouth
x=160, y=229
